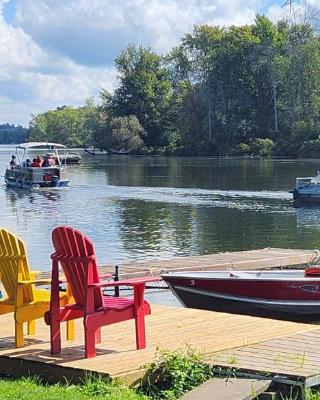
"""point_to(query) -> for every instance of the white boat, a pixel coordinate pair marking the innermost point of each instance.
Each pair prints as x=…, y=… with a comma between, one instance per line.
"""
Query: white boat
x=23, y=175
x=307, y=189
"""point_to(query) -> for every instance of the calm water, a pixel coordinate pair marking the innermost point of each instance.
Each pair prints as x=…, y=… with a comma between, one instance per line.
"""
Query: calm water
x=139, y=208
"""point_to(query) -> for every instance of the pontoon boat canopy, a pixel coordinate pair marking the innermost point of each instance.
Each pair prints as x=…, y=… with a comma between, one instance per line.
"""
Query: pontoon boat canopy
x=40, y=145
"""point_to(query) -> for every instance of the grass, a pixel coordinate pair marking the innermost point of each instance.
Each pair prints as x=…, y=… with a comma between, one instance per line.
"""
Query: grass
x=172, y=375
x=168, y=378
x=309, y=396
x=175, y=373
x=92, y=388
x=313, y=396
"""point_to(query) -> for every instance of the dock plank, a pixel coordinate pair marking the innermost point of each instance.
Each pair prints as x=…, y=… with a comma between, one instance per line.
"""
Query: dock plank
x=228, y=389
x=295, y=355
x=168, y=328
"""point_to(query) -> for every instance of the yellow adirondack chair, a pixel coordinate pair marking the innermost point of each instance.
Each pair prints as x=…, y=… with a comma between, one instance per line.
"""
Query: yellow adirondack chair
x=23, y=298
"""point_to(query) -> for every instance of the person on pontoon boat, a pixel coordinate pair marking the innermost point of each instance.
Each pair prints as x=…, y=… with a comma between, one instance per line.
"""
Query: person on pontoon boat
x=13, y=164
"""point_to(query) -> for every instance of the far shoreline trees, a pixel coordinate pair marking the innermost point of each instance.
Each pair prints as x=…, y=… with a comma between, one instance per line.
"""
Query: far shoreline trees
x=10, y=133
x=251, y=90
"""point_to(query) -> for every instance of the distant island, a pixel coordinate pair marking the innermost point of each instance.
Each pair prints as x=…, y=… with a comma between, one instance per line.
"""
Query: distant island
x=11, y=134
x=251, y=90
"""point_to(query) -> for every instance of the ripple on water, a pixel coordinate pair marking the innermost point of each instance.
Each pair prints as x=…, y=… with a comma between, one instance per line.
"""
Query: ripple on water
x=147, y=208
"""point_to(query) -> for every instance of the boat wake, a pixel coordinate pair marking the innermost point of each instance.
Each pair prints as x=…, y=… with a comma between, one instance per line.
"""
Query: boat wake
x=253, y=200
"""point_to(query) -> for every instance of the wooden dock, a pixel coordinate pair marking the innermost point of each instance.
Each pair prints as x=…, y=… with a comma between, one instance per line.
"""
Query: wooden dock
x=241, y=260
x=285, y=351
x=252, y=343
x=293, y=359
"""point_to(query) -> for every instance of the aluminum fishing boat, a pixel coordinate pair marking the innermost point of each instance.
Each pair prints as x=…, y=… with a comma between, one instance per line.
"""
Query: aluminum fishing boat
x=22, y=175
x=267, y=293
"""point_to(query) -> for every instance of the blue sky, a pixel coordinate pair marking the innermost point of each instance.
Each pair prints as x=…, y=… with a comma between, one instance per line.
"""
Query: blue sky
x=9, y=10
x=56, y=52
x=267, y=4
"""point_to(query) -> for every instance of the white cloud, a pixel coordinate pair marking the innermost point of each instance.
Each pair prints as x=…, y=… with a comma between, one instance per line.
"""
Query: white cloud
x=300, y=12
x=62, y=51
x=275, y=13
x=94, y=31
x=33, y=80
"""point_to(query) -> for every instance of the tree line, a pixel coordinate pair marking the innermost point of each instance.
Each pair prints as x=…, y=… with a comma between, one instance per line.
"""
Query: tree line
x=250, y=90
x=10, y=133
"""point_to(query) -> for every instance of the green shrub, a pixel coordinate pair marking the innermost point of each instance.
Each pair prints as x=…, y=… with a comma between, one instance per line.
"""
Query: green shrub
x=175, y=373
x=257, y=147
x=261, y=147
x=242, y=149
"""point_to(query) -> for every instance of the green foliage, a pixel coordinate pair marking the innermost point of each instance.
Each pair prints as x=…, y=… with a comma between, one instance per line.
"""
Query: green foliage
x=145, y=91
x=92, y=388
x=107, y=389
x=312, y=395
x=245, y=90
x=126, y=135
x=12, y=134
x=257, y=147
x=175, y=373
x=242, y=149
x=262, y=147
x=295, y=394
x=174, y=144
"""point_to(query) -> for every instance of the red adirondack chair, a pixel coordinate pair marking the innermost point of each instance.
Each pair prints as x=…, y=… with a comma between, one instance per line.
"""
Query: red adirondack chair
x=75, y=253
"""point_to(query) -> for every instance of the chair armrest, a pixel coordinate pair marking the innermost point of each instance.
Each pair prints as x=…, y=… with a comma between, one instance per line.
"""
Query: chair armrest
x=128, y=282
x=33, y=272
x=35, y=282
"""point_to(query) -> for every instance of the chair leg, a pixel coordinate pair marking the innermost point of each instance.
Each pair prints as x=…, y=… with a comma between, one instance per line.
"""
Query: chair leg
x=31, y=327
x=90, y=347
x=55, y=336
x=98, y=336
x=140, y=330
x=19, y=341
x=70, y=330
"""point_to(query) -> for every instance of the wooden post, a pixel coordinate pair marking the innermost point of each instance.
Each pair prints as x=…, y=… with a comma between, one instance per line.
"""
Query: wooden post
x=116, y=278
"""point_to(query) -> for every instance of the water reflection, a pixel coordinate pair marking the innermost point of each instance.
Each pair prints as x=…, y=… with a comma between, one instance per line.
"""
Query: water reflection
x=308, y=215
x=156, y=228
x=139, y=208
x=13, y=194
x=163, y=229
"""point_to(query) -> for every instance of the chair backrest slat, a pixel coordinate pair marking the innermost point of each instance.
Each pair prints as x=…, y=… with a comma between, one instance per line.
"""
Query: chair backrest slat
x=13, y=260
x=74, y=250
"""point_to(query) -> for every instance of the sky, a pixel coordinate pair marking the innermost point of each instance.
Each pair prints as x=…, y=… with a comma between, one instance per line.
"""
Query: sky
x=61, y=52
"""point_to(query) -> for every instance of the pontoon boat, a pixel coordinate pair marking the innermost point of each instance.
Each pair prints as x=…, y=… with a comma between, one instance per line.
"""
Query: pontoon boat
x=24, y=176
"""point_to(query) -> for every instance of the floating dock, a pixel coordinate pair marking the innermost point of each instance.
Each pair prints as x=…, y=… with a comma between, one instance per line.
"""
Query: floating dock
x=250, y=344
x=240, y=260
x=285, y=351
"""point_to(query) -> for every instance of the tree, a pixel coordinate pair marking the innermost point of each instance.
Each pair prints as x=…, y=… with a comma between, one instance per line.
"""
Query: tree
x=126, y=135
x=145, y=91
x=251, y=89
x=68, y=125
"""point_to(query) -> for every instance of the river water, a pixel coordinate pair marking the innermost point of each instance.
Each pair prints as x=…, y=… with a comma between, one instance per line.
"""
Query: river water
x=140, y=208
